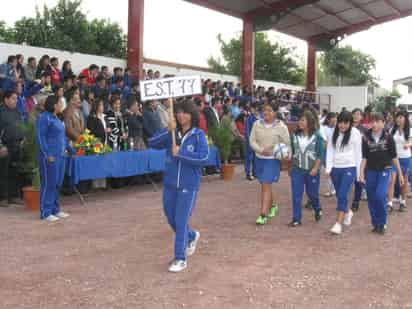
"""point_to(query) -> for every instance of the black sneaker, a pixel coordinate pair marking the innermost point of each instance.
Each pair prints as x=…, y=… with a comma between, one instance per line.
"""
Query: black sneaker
x=308, y=205
x=318, y=215
x=402, y=207
x=355, y=206
x=294, y=224
x=381, y=230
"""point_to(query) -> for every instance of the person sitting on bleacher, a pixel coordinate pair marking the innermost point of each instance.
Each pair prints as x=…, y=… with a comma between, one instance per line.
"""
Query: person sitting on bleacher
x=9, y=74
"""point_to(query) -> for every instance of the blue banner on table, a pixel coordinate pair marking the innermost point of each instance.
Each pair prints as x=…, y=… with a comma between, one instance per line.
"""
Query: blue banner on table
x=125, y=164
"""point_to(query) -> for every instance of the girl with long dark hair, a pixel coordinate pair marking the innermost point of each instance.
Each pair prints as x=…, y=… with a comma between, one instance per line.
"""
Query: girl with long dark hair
x=403, y=141
x=96, y=122
x=117, y=125
x=43, y=66
x=67, y=70
x=343, y=160
x=308, y=150
x=184, y=165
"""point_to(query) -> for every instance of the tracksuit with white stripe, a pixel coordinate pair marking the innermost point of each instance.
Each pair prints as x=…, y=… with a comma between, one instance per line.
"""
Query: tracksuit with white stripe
x=343, y=164
x=379, y=153
x=305, y=152
x=182, y=181
x=52, y=140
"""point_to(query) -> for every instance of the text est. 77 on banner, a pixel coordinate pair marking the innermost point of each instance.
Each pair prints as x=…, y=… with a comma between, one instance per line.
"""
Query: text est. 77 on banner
x=173, y=87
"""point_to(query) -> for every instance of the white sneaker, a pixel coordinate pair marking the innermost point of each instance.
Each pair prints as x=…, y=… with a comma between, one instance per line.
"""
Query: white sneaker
x=395, y=201
x=348, y=218
x=62, y=215
x=191, y=248
x=177, y=266
x=52, y=218
x=336, y=229
x=364, y=196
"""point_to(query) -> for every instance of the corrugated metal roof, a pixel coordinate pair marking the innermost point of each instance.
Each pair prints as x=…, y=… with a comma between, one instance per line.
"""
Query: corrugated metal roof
x=313, y=20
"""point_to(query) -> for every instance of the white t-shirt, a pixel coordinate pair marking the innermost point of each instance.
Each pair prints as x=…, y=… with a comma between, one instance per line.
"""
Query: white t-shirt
x=348, y=156
x=400, y=142
x=326, y=132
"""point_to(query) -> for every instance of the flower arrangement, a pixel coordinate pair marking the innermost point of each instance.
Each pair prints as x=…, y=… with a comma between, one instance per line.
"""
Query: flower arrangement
x=88, y=145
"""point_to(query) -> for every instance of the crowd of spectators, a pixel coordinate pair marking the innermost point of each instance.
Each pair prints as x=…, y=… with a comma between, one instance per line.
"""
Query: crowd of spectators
x=108, y=104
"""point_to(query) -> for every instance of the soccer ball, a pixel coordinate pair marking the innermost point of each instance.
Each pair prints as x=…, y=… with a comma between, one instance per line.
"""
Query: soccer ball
x=281, y=152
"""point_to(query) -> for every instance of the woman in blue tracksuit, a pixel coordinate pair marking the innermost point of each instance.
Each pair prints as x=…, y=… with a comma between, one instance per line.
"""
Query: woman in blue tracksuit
x=53, y=144
x=308, y=151
x=379, y=154
x=250, y=154
x=182, y=177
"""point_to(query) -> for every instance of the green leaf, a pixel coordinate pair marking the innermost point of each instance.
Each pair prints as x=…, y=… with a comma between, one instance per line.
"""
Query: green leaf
x=273, y=61
x=66, y=27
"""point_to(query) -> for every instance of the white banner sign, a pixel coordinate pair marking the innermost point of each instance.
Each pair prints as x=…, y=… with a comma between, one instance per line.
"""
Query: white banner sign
x=173, y=87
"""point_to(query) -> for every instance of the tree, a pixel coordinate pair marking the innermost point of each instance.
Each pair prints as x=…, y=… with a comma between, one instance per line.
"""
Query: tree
x=273, y=62
x=6, y=34
x=387, y=102
x=345, y=66
x=108, y=37
x=66, y=27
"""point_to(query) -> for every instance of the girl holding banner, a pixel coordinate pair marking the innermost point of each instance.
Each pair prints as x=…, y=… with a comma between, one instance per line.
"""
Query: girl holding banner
x=187, y=151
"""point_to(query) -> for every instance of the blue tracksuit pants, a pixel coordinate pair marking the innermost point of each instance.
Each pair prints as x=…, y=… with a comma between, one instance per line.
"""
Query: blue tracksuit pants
x=343, y=179
x=250, y=161
x=377, y=185
x=301, y=181
x=178, y=205
x=405, y=164
x=51, y=179
x=357, y=195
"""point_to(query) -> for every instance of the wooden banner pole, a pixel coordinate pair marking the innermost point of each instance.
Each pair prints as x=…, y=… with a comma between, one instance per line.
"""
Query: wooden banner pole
x=172, y=118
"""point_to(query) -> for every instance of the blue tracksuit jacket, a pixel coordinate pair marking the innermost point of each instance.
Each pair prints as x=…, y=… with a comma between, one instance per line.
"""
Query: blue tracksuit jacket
x=181, y=182
x=52, y=140
x=185, y=170
x=250, y=154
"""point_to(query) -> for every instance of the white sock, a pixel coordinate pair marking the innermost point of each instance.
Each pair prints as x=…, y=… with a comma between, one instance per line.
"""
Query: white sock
x=402, y=201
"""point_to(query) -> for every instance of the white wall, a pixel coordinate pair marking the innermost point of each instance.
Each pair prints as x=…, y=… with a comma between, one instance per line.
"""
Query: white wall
x=81, y=61
x=349, y=97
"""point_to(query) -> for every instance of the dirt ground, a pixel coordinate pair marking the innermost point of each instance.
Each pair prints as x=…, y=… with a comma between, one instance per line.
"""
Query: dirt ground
x=114, y=252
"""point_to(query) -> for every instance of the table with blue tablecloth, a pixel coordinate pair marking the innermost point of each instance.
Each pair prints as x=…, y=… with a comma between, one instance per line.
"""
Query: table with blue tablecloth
x=125, y=164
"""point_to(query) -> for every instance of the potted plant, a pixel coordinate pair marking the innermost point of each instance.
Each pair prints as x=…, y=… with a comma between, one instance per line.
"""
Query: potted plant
x=29, y=167
x=223, y=139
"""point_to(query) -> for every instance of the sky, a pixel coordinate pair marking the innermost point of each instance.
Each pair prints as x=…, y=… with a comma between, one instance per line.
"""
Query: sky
x=178, y=31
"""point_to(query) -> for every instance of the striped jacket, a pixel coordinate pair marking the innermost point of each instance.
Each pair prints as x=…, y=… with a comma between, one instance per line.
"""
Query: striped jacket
x=307, y=158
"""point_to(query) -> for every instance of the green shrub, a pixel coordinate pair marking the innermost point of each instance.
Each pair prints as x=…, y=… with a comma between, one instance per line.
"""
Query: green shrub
x=29, y=164
x=223, y=139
